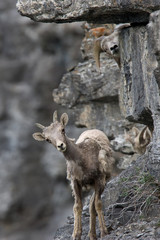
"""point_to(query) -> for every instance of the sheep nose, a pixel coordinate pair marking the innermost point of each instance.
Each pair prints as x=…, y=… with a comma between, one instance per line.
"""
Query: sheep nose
x=114, y=47
x=61, y=146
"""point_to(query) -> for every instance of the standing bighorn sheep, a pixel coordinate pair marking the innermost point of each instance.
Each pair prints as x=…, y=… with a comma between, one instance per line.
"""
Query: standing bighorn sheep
x=89, y=163
x=139, y=139
x=109, y=44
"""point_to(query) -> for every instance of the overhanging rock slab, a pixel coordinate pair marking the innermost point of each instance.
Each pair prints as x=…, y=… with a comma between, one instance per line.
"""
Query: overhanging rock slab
x=97, y=11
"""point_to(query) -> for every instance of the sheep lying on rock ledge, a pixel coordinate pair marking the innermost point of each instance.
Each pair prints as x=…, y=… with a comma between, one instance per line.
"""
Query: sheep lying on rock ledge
x=89, y=163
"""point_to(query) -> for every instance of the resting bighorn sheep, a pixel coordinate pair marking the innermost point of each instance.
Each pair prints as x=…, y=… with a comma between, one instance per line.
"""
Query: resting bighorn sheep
x=139, y=139
x=89, y=163
x=109, y=44
x=102, y=31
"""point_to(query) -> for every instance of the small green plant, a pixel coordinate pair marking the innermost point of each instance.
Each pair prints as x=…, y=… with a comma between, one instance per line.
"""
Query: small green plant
x=141, y=216
x=124, y=193
x=158, y=223
x=146, y=178
x=124, y=179
x=137, y=170
x=149, y=200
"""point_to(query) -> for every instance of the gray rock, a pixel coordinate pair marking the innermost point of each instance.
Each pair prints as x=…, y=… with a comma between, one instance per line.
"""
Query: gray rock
x=122, y=215
x=100, y=11
x=138, y=64
x=94, y=99
x=140, y=76
x=139, y=102
x=32, y=176
x=93, y=95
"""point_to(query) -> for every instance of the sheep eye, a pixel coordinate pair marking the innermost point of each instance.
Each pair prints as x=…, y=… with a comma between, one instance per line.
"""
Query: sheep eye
x=63, y=131
x=48, y=140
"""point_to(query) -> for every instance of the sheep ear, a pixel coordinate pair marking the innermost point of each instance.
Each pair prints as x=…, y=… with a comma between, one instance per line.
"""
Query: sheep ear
x=135, y=131
x=38, y=136
x=142, y=138
x=64, y=119
x=40, y=126
x=55, y=117
x=148, y=134
x=145, y=136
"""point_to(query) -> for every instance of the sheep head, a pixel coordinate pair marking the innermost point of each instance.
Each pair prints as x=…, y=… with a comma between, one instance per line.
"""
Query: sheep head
x=108, y=44
x=139, y=139
x=54, y=133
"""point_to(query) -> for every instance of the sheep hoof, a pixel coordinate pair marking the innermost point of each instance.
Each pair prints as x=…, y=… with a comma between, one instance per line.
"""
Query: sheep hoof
x=92, y=238
x=76, y=237
x=104, y=233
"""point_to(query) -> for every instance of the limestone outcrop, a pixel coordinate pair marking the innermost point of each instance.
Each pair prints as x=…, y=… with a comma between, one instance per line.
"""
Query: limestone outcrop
x=31, y=65
x=100, y=11
x=100, y=99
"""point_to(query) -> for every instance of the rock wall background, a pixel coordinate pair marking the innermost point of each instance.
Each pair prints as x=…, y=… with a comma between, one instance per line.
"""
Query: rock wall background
x=139, y=102
x=93, y=95
x=33, y=59
x=101, y=11
x=33, y=188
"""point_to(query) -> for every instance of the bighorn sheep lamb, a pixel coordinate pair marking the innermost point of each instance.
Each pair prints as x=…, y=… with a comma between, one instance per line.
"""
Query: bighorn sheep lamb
x=89, y=164
x=109, y=44
x=139, y=139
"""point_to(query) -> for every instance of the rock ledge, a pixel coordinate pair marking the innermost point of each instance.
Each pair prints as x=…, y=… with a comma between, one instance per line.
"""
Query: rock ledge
x=98, y=12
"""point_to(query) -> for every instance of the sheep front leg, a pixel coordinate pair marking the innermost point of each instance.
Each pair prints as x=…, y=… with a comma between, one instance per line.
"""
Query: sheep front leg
x=77, y=209
x=92, y=211
x=98, y=206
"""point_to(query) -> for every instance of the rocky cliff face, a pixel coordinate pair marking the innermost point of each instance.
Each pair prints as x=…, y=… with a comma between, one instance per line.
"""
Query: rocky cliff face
x=140, y=76
x=92, y=95
x=101, y=11
x=100, y=99
x=138, y=100
x=33, y=58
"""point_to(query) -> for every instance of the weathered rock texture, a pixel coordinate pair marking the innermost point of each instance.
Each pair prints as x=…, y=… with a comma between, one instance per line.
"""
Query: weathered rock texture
x=94, y=97
x=128, y=215
x=140, y=100
x=32, y=176
x=100, y=11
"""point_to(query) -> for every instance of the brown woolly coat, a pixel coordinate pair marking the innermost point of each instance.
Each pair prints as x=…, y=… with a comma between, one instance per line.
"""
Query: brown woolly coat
x=94, y=158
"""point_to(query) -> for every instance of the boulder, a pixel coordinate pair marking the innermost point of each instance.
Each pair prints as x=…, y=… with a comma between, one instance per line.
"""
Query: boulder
x=101, y=11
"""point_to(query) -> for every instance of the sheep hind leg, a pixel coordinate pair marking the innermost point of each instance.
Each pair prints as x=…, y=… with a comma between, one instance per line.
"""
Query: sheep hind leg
x=92, y=211
x=98, y=207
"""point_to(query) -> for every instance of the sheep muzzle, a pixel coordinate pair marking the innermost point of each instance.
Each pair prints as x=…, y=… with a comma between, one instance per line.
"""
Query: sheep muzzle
x=61, y=146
